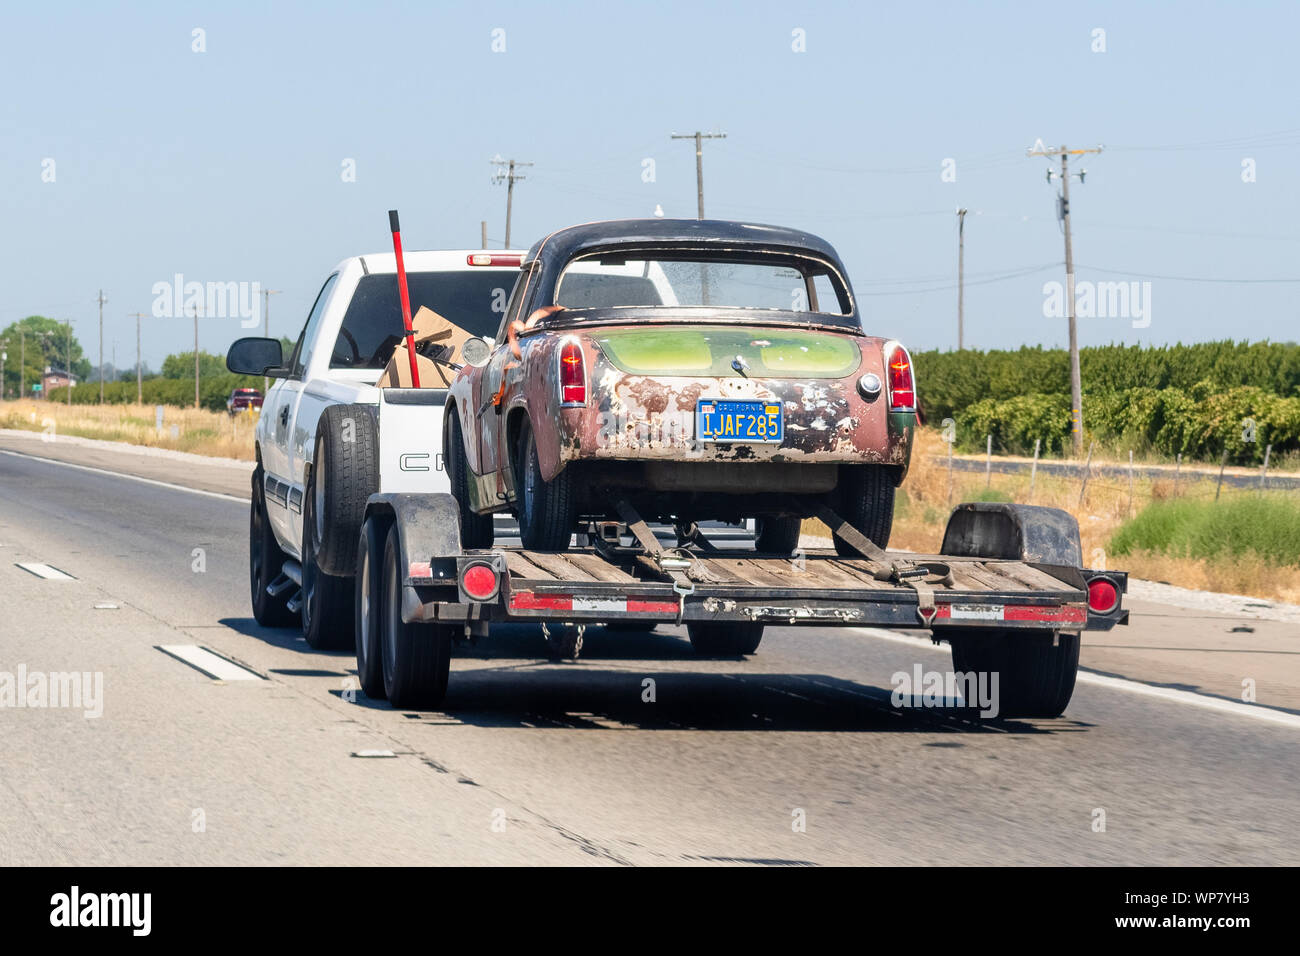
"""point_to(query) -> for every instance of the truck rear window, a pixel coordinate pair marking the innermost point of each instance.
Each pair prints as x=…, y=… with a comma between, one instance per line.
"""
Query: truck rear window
x=372, y=327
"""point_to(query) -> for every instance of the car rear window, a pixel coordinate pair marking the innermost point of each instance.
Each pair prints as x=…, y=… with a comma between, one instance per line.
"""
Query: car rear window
x=372, y=327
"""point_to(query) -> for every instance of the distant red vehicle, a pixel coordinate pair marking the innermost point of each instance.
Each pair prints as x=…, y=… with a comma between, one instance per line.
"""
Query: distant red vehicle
x=244, y=400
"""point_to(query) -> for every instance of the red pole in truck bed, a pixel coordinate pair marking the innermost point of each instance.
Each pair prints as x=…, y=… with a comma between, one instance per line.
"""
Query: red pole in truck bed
x=406, y=297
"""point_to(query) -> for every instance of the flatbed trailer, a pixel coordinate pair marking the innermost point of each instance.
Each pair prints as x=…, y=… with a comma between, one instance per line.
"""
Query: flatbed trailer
x=1008, y=590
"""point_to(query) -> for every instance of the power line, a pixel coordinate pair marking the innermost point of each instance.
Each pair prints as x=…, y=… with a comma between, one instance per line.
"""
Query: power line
x=1142, y=275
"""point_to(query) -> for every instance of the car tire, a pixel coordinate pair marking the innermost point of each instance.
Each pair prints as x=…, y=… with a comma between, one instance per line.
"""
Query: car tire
x=416, y=657
x=866, y=496
x=546, y=508
x=369, y=594
x=1035, y=678
x=265, y=562
x=345, y=473
x=476, y=530
x=328, y=616
x=777, y=535
x=724, y=638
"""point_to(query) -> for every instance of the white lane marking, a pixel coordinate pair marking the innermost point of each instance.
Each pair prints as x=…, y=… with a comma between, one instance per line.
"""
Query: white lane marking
x=373, y=753
x=46, y=572
x=120, y=474
x=1220, y=704
x=202, y=659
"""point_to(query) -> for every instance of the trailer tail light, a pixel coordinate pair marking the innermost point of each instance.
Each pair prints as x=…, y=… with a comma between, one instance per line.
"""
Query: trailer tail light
x=1103, y=596
x=480, y=582
x=573, y=374
x=492, y=259
x=902, y=387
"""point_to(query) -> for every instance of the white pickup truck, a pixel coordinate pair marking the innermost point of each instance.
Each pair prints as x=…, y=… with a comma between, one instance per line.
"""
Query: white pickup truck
x=304, y=524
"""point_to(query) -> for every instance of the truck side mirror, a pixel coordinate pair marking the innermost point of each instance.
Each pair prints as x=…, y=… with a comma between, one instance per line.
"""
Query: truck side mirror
x=255, y=356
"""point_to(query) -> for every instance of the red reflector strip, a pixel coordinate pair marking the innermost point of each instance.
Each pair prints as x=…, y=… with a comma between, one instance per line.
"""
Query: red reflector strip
x=528, y=601
x=419, y=569
x=1066, y=614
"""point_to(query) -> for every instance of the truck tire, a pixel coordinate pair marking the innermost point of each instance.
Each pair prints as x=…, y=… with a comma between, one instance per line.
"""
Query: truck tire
x=265, y=560
x=777, y=535
x=328, y=617
x=866, y=494
x=345, y=473
x=369, y=582
x=724, y=638
x=476, y=530
x=1035, y=679
x=546, y=508
x=416, y=657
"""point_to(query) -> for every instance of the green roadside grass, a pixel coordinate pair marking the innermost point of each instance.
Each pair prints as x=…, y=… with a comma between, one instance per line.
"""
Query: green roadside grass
x=1264, y=526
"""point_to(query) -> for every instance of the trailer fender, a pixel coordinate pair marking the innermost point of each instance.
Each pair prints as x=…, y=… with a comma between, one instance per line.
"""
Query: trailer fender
x=1012, y=532
x=428, y=528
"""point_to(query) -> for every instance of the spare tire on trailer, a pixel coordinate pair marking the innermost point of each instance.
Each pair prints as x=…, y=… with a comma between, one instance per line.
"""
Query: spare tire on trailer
x=1035, y=671
x=345, y=472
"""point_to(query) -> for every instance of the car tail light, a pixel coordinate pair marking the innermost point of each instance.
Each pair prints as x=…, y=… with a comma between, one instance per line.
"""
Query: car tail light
x=1102, y=595
x=479, y=581
x=491, y=259
x=573, y=375
x=902, y=388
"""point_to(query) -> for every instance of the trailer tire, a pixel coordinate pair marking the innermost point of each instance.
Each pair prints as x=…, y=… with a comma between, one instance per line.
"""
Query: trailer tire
x=1035, y=678
x=777, y=535
x=724, y=638
x=866, y=494
x=416, y=657
x=369, y=584
x=345, y=473
x=265, y=560
x=328, y=617
x=476, y=530
x=546, y=508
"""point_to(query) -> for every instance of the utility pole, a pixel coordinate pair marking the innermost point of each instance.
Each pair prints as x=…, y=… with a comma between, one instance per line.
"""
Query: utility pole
x=68, y=370
x=196, y=355
x=266, y=326
x=1076, y=385
x=101, y=300
x=699, y=163
x=507, y=176
x=22, y=361
x=483, y=230
x=961, y=276
x=4, y=343
x=139, y=377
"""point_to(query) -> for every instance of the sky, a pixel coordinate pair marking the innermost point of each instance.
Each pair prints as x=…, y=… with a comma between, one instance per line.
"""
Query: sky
x=128, y=155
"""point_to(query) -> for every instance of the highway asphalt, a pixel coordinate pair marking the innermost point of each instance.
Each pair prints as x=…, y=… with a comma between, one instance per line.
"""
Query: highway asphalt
x=793, y=757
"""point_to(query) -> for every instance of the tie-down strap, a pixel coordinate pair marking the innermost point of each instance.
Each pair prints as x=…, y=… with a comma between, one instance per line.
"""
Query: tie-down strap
x=672, y=563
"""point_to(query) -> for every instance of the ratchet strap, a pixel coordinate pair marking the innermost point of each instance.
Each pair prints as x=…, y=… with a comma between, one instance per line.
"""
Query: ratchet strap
x=673, y=562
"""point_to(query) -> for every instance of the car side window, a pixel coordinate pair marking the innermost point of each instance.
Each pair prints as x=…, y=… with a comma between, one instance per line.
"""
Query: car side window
x=299, y=361
x=522, y=285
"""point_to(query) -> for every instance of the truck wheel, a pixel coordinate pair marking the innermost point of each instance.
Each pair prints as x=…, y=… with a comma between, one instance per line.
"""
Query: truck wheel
x=1035, y=679
x=328, y=616
x=345, y=473
x=724, y=638
x=416, y=657
x=265, y=559
x=777, y=535
x=475, y=529
x=370, y=563
x=867, y=503
x=546, y=508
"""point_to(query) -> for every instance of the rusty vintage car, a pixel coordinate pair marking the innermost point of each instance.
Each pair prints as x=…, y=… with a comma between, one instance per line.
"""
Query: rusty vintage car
x=694, y=369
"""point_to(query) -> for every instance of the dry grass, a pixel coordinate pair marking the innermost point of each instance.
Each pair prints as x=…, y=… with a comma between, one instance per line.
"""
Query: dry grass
x=199, y=431
x=928, y=494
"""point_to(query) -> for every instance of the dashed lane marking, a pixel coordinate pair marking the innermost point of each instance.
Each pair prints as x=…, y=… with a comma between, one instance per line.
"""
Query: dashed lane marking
x=46, y=572
x=206, y=662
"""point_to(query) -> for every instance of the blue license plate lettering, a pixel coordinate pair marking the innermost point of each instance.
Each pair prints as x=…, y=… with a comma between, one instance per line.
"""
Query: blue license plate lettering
x=723, y=420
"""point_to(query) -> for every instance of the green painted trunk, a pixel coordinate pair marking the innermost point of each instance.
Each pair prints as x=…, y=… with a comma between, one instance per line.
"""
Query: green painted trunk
x=708, y=351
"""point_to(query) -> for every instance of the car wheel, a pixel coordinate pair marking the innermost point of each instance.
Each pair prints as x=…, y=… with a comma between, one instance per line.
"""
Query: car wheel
x=776, y=535
x=546, y=508
x=369, y=594
x=265, y=561
x=1035, y=676
x=866, y=496
x=345, y=469
x=724, y=638
x=416, y=657
x=327, y=610
x=476, y=530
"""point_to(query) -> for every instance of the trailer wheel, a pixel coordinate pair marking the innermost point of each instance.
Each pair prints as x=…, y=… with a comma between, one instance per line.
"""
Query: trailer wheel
x=416, y=657
x=777, y=535
x=866, y=494
x=1035, y=679
x=328, y=617
x=369, y=581
x=546, y=508
x=476, y=530
x=265, y=559
x=724, y=639
x=345, y=473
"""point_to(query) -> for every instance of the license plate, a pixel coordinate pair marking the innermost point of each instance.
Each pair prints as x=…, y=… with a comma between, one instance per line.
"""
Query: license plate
x=724, y=420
